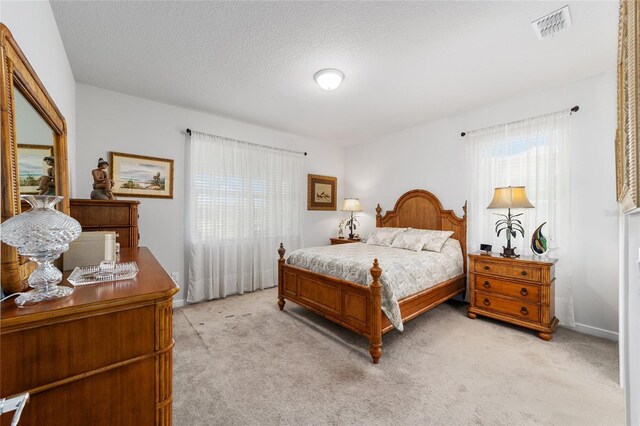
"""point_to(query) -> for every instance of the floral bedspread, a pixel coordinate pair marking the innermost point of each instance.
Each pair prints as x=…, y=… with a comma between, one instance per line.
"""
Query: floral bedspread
x=404, y=272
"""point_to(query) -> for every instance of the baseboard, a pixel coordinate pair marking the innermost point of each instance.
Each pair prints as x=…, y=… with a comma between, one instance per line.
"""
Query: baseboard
x=178, y=303
x=595, y=331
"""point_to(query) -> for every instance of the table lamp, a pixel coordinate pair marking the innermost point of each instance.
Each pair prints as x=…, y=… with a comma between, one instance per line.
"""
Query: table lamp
x=510, y=197
x=351, y=205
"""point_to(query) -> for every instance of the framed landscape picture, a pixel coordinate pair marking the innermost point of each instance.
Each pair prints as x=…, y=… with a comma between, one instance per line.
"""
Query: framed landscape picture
x=321, y=192
x=32, y=167
x=140, y=176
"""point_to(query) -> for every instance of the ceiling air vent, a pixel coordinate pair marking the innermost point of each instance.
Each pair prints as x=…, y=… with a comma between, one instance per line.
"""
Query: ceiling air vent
x=552, y=23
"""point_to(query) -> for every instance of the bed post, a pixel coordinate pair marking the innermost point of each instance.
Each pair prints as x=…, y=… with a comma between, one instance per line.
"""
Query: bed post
x=378, y=216
x=375, y=340
x=463, y=238
x=281, y=302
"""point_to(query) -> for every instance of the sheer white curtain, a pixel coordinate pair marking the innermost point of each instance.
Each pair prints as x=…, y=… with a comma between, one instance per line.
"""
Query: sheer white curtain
x=244, y=200
x=534, y=153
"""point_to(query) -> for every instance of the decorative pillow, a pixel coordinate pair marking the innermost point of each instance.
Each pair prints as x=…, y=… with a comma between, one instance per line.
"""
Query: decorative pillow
x=409, y=241
x=434, y=239
x=383, y=236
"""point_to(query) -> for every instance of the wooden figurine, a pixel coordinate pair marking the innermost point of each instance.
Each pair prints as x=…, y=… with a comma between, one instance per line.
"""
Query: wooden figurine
x=101, y=182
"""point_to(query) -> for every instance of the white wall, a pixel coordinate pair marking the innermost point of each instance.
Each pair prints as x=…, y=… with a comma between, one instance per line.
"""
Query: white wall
x=630, y=315
x=432, y=157
x=110, y=121
x=34, y=28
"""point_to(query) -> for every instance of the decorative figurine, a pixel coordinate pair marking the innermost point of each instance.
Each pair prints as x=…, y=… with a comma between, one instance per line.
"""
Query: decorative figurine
x=101, y=182
x=539, y=242
x=341, y=229
x=47, y=184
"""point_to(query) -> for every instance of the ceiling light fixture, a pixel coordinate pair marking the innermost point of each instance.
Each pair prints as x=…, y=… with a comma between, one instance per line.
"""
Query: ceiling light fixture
x=329, y=79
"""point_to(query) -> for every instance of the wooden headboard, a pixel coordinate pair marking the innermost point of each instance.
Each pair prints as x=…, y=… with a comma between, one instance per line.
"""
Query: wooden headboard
x=421, y=209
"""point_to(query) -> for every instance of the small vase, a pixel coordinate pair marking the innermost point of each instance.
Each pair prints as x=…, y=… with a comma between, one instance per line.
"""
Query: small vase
x=42, y=234
x=539, y=245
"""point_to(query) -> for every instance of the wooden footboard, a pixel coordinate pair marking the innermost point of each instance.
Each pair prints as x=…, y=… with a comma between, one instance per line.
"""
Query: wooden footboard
x=351, y=305
x=354, y=306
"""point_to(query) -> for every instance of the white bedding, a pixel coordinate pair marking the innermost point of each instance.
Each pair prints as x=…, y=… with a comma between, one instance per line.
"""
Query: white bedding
x=404, y=272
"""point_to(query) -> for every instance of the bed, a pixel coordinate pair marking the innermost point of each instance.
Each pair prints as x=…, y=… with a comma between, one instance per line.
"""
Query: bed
x=358, y=307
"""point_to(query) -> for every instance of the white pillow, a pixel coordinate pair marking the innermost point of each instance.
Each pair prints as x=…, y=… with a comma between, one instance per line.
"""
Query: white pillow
x=434, y=239
x=383, y=236
x=409, y=241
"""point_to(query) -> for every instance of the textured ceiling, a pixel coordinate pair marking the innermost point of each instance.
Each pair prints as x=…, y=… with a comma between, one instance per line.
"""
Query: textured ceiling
x=406, y=63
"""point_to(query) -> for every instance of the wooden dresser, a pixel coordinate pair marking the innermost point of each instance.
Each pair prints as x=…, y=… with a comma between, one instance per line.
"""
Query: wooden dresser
x=335, y=241
x=120, y=216
x=519, y=291
x=102, y=356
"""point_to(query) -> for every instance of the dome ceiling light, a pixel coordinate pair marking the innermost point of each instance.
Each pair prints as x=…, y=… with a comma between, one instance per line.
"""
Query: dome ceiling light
x=329, y=79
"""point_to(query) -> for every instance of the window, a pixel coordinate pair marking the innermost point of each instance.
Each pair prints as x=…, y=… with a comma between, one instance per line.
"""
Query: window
x=245, y=200
x=534, y=153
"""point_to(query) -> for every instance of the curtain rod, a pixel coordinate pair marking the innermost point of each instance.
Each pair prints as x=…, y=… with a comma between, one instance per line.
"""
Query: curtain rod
x=254, y=144
x=574, y=109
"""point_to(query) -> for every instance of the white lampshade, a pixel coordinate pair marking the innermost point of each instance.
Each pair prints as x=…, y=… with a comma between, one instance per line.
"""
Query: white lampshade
x=351, y=205
x=510, y=197
x=329, y=79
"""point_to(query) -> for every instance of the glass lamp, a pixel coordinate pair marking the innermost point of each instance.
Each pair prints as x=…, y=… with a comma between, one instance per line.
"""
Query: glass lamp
x=42, y=234
x=510, y=197
x=351, y=205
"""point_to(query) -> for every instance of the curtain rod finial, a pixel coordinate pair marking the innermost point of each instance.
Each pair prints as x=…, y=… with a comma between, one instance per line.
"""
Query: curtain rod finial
x=575, y=108
x=189, y=132
x=462, y=134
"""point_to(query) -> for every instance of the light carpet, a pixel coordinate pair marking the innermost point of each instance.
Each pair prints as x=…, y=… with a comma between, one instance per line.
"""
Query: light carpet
x=240, y=361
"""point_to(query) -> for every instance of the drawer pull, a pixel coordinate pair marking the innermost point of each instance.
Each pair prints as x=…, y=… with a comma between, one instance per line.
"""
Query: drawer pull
x=486, y=302
x=524, y=311
x=486, y=268
x=486, y=284
x=524, y=273
x=524, y=291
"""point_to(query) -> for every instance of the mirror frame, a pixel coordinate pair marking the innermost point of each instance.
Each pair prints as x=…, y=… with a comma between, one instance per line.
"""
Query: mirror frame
x=628, y=131
x=17, y=74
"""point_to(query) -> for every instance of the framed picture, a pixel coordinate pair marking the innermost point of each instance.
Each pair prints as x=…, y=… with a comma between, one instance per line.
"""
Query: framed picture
x=32, y=167
x=321, y=192
x=628, y=132
x=140, y=176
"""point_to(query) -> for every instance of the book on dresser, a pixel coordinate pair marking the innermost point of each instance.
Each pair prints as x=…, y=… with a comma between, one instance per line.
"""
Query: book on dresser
x=519, y=291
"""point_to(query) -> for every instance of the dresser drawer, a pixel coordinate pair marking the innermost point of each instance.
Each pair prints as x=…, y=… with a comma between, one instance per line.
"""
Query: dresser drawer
x=520, y=272
x=516, y=309
x=526, y=292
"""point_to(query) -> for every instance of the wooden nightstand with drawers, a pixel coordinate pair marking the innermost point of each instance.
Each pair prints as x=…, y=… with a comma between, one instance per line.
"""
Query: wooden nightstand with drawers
x=335, y=241
x=519, y=291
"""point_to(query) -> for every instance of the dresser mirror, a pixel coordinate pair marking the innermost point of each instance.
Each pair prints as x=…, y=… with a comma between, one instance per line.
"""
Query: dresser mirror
x=34, y=149
x=35, y=156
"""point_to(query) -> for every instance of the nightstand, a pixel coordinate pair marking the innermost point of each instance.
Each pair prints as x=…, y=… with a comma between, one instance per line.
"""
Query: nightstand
x=519, y=291
x=335, y=241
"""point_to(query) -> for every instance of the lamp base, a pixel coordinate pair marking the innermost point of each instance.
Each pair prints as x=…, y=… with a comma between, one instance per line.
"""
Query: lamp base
x=509, y=252
x=40, y=295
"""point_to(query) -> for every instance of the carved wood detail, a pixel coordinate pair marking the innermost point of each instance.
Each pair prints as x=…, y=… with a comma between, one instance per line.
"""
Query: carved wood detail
x=18, y=73
x=627, y=141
